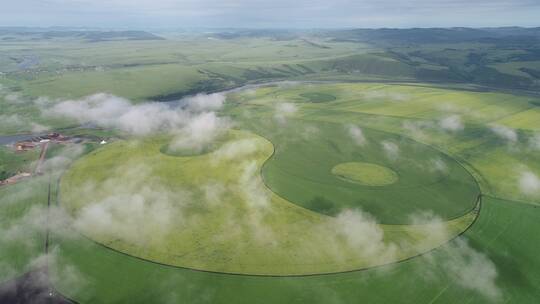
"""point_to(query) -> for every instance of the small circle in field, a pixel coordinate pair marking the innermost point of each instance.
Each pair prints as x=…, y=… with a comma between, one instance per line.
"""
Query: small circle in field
x=365, y=174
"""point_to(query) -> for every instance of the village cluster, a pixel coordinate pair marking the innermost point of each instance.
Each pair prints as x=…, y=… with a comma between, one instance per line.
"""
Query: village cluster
x=40, y=142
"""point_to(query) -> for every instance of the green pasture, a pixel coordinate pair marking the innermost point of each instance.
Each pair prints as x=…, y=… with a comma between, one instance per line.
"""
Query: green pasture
x=418, y=112
x=12, y=162
x=250, y=230
x=291, y=235
x=22, y=217
x=498, y=233
x=145, y=69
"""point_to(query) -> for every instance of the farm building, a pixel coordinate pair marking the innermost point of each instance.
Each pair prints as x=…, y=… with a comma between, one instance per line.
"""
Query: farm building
x=25, y=146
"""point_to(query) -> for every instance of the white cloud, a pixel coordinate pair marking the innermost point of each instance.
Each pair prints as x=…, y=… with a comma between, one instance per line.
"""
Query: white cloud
x=464, y=265
x=471, y=269
x=534, y=142
x=199, y=133
x=504, y=132
x=364, y=235
x=438, y=165
x=38, y=128
x=14, y=98
x=256, y=199
x=310, y=132
x=452, y=123
x=61, y=161
x=139, y=209
x=205, y=102
x=21, y=123
x=356, y=134
x=252, y=187
x=115, y=112
x=12, y=121
x=435, y=231
x=193, y=128
x=416, y=128
x=390, y=149
x=238, y=149
x=283, y=111
x=386, y=95
x=529, y=183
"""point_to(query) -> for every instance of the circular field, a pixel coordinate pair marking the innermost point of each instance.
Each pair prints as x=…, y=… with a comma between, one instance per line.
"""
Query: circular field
x=213, y=212
x=365, y=174
x=291, y=233
x=301, y=172
x=299, y=196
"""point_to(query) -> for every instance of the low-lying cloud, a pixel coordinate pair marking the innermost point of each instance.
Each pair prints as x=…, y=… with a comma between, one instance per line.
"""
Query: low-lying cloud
x=416, y=128
x=420, y=128
x=356, y=134
x=14, y=98
x=471, y=269
x=199, y=132
x=139, y=209
x=194, y=126
x=283, y=111
x=529, y=183
x=461, y=263
x=390, y=149
x=438, y=165
x=18, y=122
x=534, y=142
x=508, y=134
x=111, y=111
x=205, y=102
x=386, y=95
x=452, y=123
x=363, y=234
x=236, y=150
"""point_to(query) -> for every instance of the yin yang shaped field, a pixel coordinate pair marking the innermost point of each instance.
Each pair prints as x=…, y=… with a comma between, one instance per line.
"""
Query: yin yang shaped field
x=253, y=207
x=368, y=194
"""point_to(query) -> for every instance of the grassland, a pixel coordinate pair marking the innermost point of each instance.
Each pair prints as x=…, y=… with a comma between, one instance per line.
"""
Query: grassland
x=418, y=112
x=499, y=229
x=23, y=239
x=11, y=162
x=448, y=152
x=282, y=241
x=495, y=231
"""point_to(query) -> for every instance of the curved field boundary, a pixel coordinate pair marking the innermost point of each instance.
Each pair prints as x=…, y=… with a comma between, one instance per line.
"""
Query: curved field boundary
x=473, y=177
x=476, y=207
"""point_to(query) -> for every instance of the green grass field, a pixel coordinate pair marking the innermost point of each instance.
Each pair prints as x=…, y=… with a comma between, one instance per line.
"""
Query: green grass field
x=499, y=229
x=270, y=212
x=224, y=233
x=438, y=173
x=22, y=239
x=12, y=162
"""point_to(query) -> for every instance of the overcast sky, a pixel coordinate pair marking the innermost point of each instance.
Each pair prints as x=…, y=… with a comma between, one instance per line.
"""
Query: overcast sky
x=269, y=13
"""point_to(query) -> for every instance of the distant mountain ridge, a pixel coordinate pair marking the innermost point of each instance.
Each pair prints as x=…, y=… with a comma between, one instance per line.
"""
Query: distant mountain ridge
x=434, y=35
x=393, y=35
x=88, y=35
